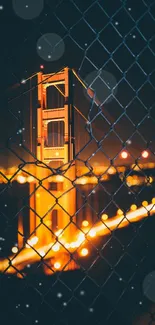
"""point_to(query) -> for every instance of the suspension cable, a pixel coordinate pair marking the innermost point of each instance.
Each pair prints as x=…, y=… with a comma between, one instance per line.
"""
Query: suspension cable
x=82, y=83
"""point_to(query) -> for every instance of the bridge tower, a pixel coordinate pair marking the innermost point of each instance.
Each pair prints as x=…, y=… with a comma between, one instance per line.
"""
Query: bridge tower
x=54, y=201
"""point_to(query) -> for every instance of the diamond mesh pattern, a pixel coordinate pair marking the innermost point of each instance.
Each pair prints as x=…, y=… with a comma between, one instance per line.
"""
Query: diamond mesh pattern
x=111, y=45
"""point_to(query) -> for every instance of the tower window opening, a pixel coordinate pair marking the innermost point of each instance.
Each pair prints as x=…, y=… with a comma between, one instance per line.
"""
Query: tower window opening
x=55, y=134
x=54, y=98
x=53, y=186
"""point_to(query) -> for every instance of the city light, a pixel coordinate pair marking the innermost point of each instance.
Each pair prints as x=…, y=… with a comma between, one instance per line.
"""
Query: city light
x=41, y=66
x=145, y=154
x=57, y=265
x=124, y=154
x=111, y=170
x=23, y=81
x=84, y=252
x=14, y=249
x=21, y=179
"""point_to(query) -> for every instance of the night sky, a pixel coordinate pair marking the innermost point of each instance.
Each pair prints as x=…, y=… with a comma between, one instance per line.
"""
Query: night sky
x=111, y=45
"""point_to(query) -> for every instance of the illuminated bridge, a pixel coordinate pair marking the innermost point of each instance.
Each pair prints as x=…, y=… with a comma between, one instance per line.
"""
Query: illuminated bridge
x=53, y=176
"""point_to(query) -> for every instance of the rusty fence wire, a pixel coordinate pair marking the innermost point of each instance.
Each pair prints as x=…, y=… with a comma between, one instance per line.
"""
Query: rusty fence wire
x=98, y=269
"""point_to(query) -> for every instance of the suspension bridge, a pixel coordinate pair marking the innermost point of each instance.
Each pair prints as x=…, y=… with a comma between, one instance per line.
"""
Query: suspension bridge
x=53, y=233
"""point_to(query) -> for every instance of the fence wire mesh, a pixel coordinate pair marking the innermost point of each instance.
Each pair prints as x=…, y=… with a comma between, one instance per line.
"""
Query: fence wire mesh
x=84, y=254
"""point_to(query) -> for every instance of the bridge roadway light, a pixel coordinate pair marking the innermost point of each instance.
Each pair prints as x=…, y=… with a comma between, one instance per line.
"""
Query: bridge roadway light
x=145, y=203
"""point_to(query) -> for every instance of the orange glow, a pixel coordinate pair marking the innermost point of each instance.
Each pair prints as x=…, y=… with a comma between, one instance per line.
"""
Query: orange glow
x=153, y=200
x=124, y=154
x=26, y=256
x=84, y=252
x=145, y=154
x=57, y=265
x=151, y=165
x=99, y=170
x=21, y=179
x=111, y=171
x=123, y=221
x=47, y=205
x=85, y=223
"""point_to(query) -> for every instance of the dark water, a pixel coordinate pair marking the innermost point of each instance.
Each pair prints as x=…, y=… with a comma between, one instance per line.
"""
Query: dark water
x=108, y=287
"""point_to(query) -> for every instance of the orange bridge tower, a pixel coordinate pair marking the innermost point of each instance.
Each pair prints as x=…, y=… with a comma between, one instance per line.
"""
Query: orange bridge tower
x=53, y=196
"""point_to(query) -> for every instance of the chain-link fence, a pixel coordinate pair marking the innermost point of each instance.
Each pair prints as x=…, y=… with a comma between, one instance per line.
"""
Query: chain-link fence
x=77, y=233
